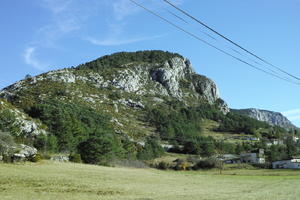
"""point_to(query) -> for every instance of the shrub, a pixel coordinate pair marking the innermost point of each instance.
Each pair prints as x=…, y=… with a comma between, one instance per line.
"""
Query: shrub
x=6, y=147
x=75, y=157
x=162, y=165
x=36, y=158
x=7, y=159
x=182, y=166
x=206, y=164
x=152, y=149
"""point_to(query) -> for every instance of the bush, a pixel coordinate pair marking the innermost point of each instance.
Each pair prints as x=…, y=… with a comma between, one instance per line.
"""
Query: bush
x=36, y=158
x=75, y=157
x=7, y=159
x=162, y=165
x=152, y=149
x=6, y=144
x=206, y=164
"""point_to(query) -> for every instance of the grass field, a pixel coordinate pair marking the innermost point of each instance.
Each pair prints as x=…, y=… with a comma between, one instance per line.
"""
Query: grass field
x=62, y=181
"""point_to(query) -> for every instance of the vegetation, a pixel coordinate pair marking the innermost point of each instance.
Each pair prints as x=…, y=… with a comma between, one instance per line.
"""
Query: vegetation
x=119, y=59
x=152, y=149
x=70, y=123
x=49, y=180
x=7, y=122
x=6, y=144
x=100, y=149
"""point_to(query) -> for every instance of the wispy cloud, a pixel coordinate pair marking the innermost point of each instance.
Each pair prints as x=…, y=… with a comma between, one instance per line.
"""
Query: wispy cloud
x=71, y=18
x=30, y=59
x=65, y=17
x=119, y=41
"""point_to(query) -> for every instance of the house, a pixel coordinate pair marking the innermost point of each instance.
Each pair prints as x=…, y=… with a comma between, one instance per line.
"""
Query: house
x=254, y=157
x=230, y=159
x=287, y=164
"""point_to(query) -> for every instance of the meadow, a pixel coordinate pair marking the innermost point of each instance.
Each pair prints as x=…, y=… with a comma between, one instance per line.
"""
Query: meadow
x=65, y=181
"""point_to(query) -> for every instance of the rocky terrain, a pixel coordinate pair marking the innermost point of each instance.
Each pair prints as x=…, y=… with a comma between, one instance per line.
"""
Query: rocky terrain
x=122, y=90
x=272, y=118
x=128, y=98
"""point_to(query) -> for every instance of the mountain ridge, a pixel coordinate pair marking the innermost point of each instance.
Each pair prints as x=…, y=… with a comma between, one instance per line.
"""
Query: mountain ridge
x=131, y=95
x=271, y=117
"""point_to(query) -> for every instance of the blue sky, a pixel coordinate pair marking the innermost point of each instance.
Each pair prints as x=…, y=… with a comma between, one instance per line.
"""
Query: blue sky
x=43, y=35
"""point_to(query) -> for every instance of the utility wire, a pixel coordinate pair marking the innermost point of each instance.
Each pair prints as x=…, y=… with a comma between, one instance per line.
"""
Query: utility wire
x=232, y=49
x=211, y=45
x=229, y=40
x=215, y=39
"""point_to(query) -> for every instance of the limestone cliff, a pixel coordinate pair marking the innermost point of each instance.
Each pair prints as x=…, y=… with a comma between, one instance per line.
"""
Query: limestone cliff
x=272, y=118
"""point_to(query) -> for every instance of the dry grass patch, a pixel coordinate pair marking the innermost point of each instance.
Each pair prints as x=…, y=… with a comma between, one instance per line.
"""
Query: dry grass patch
x=77, y=181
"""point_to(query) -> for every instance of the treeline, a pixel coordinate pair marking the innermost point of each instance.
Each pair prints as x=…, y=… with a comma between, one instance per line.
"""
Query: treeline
x=176, y=122
x=119, y=59
x=181, y=126
x=81, y=130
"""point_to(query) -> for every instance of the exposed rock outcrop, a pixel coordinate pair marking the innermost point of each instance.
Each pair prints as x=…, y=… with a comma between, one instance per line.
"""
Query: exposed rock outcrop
x=272, y=118
x=21, y=123
x=156, y=79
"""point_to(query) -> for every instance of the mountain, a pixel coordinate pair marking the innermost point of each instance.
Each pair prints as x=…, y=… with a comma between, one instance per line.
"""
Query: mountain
x=121, y=85
x=272, y=118
x=127, y=98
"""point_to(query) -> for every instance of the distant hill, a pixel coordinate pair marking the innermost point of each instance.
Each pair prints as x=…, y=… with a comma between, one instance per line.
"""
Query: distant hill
x=272, y=118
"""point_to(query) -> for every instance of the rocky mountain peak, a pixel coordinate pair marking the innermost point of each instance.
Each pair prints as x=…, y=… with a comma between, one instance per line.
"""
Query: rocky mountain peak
x=139, y=74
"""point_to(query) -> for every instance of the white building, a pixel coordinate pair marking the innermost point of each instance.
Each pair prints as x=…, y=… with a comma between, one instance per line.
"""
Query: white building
x=286, y=164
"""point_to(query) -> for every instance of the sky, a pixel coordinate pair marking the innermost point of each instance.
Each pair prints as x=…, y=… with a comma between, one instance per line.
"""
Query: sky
x=42, y=35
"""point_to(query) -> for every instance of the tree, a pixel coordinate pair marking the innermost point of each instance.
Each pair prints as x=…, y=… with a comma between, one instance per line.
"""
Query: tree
x=291, y=147
x=100, y=149
x=6, y=143
x=28, y=76
x=152, y=149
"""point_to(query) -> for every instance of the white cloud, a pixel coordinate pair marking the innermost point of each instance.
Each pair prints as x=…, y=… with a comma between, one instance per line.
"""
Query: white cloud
x=118, y=41
x=30, y=59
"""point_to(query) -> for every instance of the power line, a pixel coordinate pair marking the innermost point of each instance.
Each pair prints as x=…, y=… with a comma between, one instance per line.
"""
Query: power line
x=215, y=39
x=211, y=45
x=229, y=40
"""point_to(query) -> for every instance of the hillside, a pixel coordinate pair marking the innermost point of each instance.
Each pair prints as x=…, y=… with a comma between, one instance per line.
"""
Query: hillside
x=121, y=85
x=272, y=118
x=131, y=101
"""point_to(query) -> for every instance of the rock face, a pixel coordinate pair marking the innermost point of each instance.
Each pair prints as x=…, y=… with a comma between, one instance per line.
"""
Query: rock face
x=123, y=85
x=27, y=151
x=173, y=77
x=272, y=118
x=21, y=123
x=171, y=73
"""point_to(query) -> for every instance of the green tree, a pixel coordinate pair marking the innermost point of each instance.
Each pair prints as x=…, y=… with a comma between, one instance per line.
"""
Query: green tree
x=6, y=144
x=152, y=149
x=100, y=149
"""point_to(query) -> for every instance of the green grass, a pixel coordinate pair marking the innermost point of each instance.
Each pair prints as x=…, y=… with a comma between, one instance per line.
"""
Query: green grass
x=63, y=181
